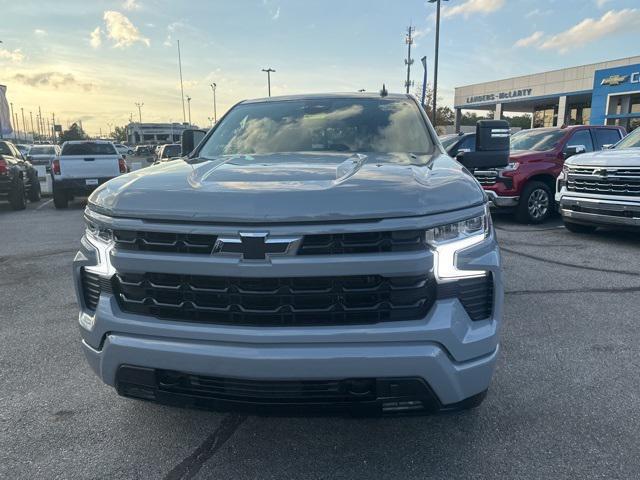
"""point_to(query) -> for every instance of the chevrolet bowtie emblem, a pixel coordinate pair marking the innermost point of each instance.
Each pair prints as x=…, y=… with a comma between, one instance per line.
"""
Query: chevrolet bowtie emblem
x=614, y=80
x=255, y=246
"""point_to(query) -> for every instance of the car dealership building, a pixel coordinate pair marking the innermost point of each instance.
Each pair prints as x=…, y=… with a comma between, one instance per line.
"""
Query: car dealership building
x=606, y=93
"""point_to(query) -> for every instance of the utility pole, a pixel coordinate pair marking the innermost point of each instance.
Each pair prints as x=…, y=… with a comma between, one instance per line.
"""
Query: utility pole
x=13, y=120
x=109, y=124
x=435, y=65
x=24, y=125
x=140, y=105
x=409, y=61
x=215, y=114
x=40, y=123
x=269, y=71
x=184, y=117
x=189, y=105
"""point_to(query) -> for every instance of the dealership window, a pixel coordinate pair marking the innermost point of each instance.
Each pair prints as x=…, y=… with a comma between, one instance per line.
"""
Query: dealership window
x=545, y=116
x=579, y=114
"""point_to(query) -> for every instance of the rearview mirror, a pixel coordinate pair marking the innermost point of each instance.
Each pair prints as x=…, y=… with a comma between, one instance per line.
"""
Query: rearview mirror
x=492, y=146
x=571, y=150
x=190, y=140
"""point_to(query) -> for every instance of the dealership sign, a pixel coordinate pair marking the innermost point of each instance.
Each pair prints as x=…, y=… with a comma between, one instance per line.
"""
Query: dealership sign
x=492, y=97
x=614, y=80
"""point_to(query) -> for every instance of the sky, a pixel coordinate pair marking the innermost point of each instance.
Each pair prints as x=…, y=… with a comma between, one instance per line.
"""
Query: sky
x=92, y=60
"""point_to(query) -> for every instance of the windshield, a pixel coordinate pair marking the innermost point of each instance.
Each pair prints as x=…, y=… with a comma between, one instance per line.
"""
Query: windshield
x=88, y=148
x=171, y=151
x=630, y=141
x=536, y=139
x=36, y=150
x=320, y=125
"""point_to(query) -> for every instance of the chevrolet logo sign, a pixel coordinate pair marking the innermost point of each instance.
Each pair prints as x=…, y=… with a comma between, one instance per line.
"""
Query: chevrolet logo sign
x=255, y=246
x=614, y=80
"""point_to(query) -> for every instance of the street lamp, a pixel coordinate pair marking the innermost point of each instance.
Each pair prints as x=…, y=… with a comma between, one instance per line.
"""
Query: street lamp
x=215, y=114
x=268, y=72
x=435, y=64
x=189, y=106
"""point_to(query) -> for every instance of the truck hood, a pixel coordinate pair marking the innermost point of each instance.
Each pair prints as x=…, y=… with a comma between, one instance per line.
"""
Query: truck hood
x=291, y=188
x=629, y=157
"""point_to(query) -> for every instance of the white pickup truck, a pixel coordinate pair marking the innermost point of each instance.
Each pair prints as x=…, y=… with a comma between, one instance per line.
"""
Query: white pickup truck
x=81, y=167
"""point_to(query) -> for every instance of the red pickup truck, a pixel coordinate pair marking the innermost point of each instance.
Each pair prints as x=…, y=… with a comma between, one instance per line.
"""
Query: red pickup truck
x=528, y=183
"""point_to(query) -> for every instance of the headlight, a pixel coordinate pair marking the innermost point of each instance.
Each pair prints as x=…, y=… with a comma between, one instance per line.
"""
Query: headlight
x=103, y=241
x=511, y=166
x=448, y=240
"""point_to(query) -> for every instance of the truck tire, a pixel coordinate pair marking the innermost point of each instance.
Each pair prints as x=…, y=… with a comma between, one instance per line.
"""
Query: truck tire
x=34, y=191
x=536, y=203
x=17, y=198
x=60, y=199
x=579, y=228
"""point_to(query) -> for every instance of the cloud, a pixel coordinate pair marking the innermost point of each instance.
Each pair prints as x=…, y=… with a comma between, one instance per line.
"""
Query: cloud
x=276, y=15
x=589, y=30
x=40, y=32
x=536, y=12
x=96, y=38
x=131, y=5
x=15, y=56
x=471, y=7
x=601, y=3
x=530, y=40
x=122, y=31
x=52, y=79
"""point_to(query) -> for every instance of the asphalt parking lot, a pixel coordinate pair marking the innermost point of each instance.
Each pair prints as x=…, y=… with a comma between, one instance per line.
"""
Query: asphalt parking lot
x=564, y=402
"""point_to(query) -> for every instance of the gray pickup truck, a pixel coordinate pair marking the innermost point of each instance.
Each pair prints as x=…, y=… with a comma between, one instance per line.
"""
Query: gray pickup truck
x=312, y=253
x=602, y=189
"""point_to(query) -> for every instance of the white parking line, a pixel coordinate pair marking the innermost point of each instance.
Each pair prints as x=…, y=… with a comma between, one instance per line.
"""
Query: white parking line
x=45, y=203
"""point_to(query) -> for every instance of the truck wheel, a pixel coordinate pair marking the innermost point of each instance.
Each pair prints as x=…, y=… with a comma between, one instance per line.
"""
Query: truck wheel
x=579, y=228
x=60, y=199
x=34, y=191
x=536, y=203
x=17, y=198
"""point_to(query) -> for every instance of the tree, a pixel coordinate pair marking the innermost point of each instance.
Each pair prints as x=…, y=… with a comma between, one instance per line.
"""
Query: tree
x=73, y=133
x=120, y=134
x=444, y=114
x=522, y=121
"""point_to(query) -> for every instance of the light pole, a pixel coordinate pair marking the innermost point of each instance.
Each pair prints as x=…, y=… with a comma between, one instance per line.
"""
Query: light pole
x=211, y=120
x=109, y=124
x=181, y=86
x=268, y=72
x=215, y=113
x=189, y=108
x=435, y=64
x=139, y=105
x=33, y=132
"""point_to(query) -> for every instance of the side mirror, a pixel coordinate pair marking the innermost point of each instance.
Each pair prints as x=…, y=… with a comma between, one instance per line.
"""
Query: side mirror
x=190, y=140
x=571, y=150
x=492, y=146
x=608, y=146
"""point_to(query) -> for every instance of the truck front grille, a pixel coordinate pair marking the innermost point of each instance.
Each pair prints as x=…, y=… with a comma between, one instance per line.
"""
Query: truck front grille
x=363, y=299
x=604, y=181
x=330, y=244
x=486, y=178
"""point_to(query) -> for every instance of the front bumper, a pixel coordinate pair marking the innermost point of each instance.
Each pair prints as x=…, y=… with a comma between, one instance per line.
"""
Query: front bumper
x=499, y=201
x=451, y=354
x=77, y=186
x=601, y=210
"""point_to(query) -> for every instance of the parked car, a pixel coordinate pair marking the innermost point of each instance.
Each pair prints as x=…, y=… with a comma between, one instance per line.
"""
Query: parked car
x=142, y=150
x=82, y=166
x=312, y=251
x=43, y=154
x=23, y=148
x=459, y=143
x=123, y=149
x=528, y=183
x=18, y=178
x=170, y=151
x=602, y=188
